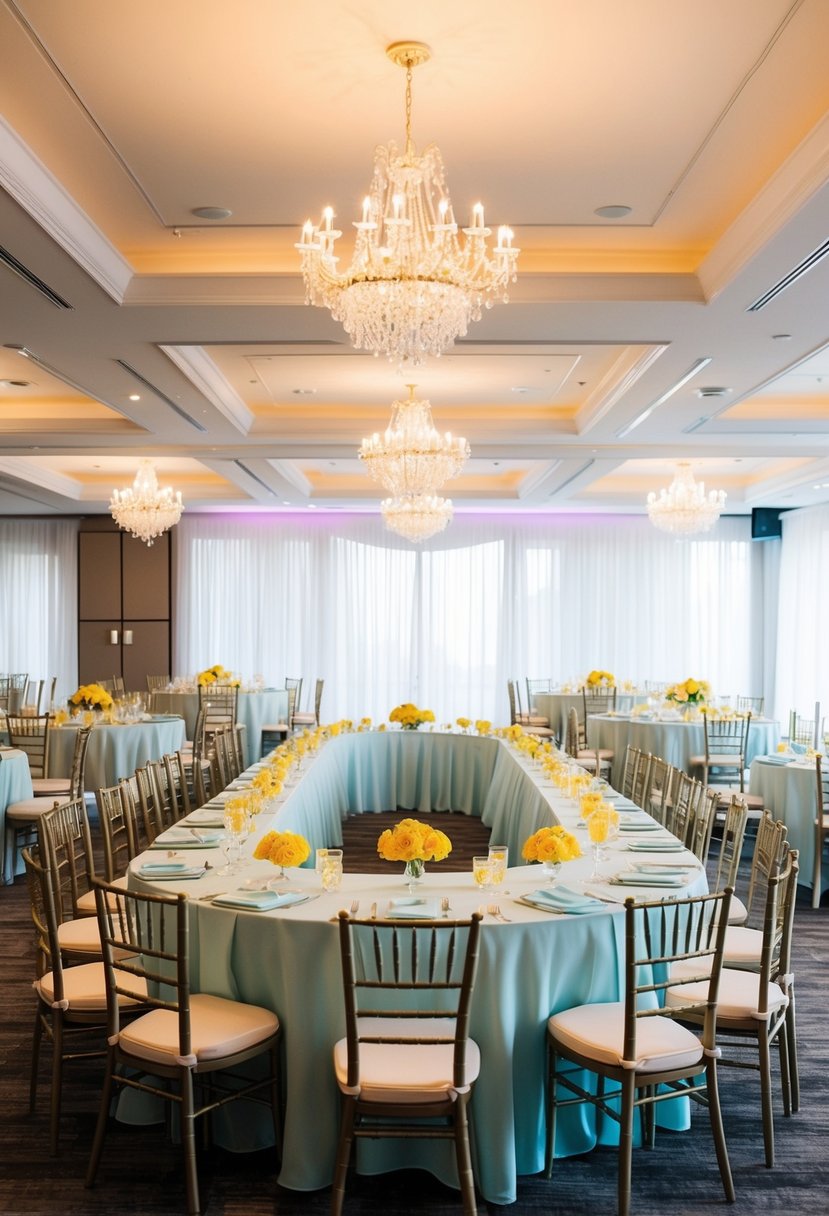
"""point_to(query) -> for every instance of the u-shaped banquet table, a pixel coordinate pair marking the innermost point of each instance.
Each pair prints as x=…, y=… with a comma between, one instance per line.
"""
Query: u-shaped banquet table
x=288, y=959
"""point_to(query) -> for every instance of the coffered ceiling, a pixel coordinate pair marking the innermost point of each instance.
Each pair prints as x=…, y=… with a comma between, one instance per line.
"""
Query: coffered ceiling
x=695, y=326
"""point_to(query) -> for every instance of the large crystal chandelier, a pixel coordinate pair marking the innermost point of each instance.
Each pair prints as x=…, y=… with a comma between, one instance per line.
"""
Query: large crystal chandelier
x=684, y=508
x=413, y=286
x=411, y=456
x=144, y=509
x=418, y=516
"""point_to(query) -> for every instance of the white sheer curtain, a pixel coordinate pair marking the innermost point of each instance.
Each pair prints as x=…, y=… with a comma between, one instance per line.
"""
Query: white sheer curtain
x=445, y=625
x=802, y=637
x=39, y=599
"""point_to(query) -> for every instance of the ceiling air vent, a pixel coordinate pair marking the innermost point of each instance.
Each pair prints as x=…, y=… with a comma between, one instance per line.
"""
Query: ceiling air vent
x=161, y=396
x=28, y=276
x=808, y=262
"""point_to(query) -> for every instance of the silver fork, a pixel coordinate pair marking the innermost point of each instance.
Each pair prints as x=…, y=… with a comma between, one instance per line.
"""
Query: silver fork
x=355, y=907
x=495, y=910
x=444, y=907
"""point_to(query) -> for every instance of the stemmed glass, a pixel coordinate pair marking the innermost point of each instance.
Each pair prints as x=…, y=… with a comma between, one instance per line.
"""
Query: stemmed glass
x=237, y=827
x=598, y=827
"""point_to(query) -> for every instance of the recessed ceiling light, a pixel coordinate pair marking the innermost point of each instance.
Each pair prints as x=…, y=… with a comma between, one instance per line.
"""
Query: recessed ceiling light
x=713, y=390
x=16, y=383
x=781, y=337
x=303, y=392
x=135, y=396
x=614, y=211
x=312, y=506
x=285, y=502
x=520, y=388
x=212, y=213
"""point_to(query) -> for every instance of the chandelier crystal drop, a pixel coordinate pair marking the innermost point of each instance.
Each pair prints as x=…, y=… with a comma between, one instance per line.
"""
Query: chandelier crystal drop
x=413, y=285
x=144, y=509
x=411, y=457
x=684, y=508
x=417, y=517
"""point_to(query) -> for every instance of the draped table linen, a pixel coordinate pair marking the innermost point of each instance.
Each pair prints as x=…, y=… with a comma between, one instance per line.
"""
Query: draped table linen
x=790, y=793
x=15, y=786
x=253, y=709
x=288, y=959
x=675, y=741
x=115, y=751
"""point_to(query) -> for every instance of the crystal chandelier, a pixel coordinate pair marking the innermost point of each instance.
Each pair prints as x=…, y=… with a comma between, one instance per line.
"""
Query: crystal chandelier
x=417, y=517
x=411, y=456
x=413, y=286
x=144, y=509
x=684, y=508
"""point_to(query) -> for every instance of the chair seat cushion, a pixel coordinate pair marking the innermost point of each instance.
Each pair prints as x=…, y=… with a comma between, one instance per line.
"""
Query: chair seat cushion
x=737, y=913
x=399, y=1073
x=84, y=987
x=754, y=802
x=587, y=752
x=597, y=1032
x=742, y=947
x=218, y=1028
x=43, y=786
x=80, y=936
x=305, y=719
x=27, y=810
x=86, y=902
x=738, y=999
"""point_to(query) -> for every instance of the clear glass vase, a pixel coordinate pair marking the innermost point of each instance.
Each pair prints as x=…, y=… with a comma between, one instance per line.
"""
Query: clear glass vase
x=414, y=873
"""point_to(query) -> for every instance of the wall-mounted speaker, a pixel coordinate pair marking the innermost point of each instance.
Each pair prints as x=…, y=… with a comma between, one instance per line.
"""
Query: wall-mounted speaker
x=766, y=523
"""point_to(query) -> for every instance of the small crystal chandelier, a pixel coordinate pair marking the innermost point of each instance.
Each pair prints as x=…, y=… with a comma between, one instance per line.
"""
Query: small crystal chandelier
x=411, y=456
x=413, y=286
x=684, y=508
x=143, y=509
x=417, y=517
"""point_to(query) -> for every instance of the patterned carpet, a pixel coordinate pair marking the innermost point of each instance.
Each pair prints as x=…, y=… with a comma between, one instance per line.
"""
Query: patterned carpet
x=140, y=1173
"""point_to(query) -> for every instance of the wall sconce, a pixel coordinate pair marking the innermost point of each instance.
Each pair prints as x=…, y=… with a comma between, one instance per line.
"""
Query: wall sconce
x=113, y=637
x=128, y=637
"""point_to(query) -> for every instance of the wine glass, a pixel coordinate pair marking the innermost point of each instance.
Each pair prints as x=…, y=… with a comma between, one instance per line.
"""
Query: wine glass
x=598, y=827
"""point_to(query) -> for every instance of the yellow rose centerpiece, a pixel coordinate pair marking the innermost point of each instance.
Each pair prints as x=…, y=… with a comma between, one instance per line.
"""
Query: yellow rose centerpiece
x=91, y=697
x=483, y=726
x=600, y=679
x=689, y=692
x=414, y=843
x=551, y=846
x=216, y=675
x=283, y=849
x=409, y=716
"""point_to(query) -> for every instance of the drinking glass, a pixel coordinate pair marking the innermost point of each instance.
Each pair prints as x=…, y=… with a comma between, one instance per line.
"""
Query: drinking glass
x=499, y=860
x=482, y=872
x=598, y=826
x=331, y=871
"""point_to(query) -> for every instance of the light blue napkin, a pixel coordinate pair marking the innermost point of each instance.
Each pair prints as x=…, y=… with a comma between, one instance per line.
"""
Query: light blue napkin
x=164, y=867
x=204, y=818
x=641, y=878
x=655, y=846
x=413, y=908
x=181, y=838
x=260, y=901
x=641, y=825
x=564, y=899
x=152, y=874
x=780, y=758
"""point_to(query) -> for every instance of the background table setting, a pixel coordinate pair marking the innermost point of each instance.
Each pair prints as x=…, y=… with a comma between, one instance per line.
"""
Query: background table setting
x=254, y=709
x=787, y=785
x=115, y=750
x=272, y=940
x=671, y=738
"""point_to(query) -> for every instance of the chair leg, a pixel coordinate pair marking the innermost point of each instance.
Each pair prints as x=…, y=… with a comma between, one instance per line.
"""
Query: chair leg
x=37, y=1037
x=103, y=1119
x=765, y=1097
x=57, y=1081
x=464, y=1157
x=551, y=1111
x=626, y=1143
x=785, y=1074
x=343, y=1154
x=718, y=1131
x=188, y=1142
x=791, y=1041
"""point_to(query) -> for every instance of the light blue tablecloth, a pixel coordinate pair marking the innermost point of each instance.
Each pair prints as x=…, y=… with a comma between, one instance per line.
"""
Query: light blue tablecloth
x=288, y=960
x=790, y=793
x=114, y=751
x=675, y=742
x=254, y=709
x=557, y=705
x=15, y=785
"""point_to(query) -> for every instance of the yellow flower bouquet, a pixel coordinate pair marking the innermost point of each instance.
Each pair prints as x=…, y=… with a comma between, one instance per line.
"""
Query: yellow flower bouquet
x=283, y=849
x=600, y=679
x=216, y=675
x=91, y=696
x=689, y=692
x=409, y=716
x=414, y=843
x=554, y=845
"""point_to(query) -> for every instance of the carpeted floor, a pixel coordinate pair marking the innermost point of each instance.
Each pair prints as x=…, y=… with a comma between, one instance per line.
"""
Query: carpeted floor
x=140, y=1173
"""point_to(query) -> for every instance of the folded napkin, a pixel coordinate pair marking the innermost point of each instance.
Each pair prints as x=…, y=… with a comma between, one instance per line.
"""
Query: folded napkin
x=260, y=901
x=414, y=909
x=152, y=874
x=655, y=846
x=782, y=758
x=180, y=838
x=204, y=818
x=678, y=868
x=642, y=878
x=164, y=867
x=563, y=899
x=641, y=825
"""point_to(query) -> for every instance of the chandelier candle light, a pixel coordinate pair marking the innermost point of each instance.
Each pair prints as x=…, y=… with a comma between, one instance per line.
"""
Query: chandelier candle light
x=144, y=509
x=417, y=517
x=413, y=286
x=411, y=456
x=684, y=508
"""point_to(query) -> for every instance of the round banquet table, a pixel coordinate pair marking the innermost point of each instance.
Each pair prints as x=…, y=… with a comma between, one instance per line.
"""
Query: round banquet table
x=253, y=709
x=788, y=790
x=675, y=741
x=288, y=959
x=15, y=785
x=555, y=706
x=115, y=751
